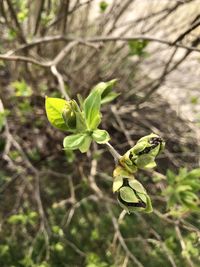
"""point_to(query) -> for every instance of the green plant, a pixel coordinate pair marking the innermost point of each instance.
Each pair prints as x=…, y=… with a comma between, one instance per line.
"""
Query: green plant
x=22, y=88
x=103, y=6
x=82, y=122
x=183, y=191
x=3, y=115
x=137, y=47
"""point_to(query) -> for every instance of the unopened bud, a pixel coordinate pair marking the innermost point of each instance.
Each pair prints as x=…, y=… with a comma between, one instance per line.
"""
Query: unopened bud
x=143, y=154
x=72, y=115
x=131, y=194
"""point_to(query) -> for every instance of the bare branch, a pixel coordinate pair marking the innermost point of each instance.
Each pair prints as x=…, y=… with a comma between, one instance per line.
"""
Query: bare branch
x=60, y=82
x=94, y=39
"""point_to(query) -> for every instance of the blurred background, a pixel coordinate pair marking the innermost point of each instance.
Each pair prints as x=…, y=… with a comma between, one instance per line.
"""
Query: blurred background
x=53, y=211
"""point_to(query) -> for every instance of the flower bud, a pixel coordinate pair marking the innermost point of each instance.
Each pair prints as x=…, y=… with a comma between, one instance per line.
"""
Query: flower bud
x=143, y=154
x=131, y=194
x=72, y=116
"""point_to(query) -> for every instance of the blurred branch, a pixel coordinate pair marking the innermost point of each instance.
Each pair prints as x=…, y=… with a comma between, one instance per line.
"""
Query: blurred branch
x=191, y=28
x=183, y=245
x=39, y=6
x=17, y=24
x=10, y=139
x=57, y=38
x=121, y=239
x=122, y=126
x=74, y=8
x=60, y=82
x=24, y=59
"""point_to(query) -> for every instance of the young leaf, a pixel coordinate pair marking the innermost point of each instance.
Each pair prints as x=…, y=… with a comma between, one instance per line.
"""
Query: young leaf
x=92, y=110
x=100, y=136
x=80, y=101
x=105, y=90
x=86, y=144
x=80, y=122
x=109, y=97
x=74, y=141
x=54, y=108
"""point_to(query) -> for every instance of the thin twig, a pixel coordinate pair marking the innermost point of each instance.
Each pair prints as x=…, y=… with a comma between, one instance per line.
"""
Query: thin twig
x=183, y=245
x=96, y=39
x=60, y=82
x=114, y=153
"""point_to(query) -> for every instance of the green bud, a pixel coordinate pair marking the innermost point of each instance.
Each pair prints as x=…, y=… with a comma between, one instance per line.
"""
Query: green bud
x=143, y=154
x=73, y=116
x=131, y=194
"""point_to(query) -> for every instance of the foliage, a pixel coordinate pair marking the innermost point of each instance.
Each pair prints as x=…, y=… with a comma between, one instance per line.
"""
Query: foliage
x=3, y=115
x=82, y=120
x=57, y=207
x=137, y=47
x=183, y=191
x=21, y=88
x=103, y=6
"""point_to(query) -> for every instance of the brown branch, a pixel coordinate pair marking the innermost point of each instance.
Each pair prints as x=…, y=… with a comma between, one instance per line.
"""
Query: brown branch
x=24, y=59
x=183, y=245
x=40, y=7
x=121, y=239
x=191, y=28
x=17, y=24
x=60, y=82
x=94, y=39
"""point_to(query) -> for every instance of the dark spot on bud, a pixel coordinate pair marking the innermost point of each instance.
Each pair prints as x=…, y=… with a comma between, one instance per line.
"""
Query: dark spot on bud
x=139, y=204
x=130, y=156
x=125, y=182
x=154, y=141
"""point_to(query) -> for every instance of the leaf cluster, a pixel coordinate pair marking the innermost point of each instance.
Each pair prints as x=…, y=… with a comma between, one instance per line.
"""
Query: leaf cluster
x=183, y=191
x=81, y=120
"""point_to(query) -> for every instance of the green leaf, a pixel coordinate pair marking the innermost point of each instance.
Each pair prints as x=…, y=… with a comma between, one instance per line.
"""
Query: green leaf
x=80, y=122
x=151, y=165
x=86, y=144
x=80, y=100
x=91, y=109
x=100, y=94
x=109, y=97
x=117, y=183
x=144, y=160
x=137, y=186
x=105, y=90
x=149, y=207
x=100, y=136
x=139, y=147
x=128, y=195
x=194, y=174
x=54, y=108
x=142, y=197
x=74, y=141
x=171, y=176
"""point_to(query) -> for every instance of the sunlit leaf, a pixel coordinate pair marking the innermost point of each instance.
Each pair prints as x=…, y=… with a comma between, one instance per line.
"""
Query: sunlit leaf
x=54, y=108
x=100, y=136
x=74, y=141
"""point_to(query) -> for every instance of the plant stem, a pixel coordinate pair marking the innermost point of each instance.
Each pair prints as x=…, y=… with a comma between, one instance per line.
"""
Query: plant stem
x=114, y=153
